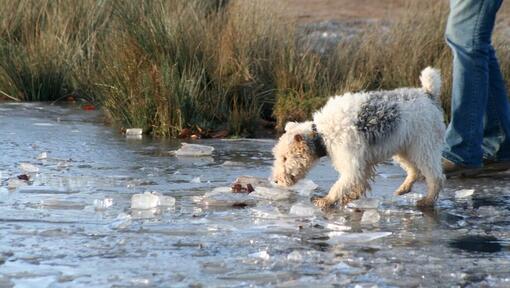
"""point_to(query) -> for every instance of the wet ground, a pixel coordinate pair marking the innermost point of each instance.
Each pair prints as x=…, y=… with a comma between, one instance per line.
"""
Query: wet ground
x=54, y=232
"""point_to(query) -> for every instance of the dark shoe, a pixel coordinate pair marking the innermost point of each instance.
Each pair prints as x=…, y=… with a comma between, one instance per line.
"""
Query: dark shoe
x=451, y=169
x=491, y=166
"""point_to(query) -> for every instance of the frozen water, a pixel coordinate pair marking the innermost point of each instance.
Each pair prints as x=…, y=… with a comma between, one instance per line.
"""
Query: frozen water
x=233, y=163
x=149, y=200
x=252, y=180
x=464, y=193
x=364, y=203
x=196, y=180
x=304, y=187
x=345, y=237
x=103, y=204
x=295, y=256
x=370, y=216
x=53, y=203
x=194, y=150
x=166, y=201
x=134, y=131
x=274, y=193
x=303, y=210
x=28, y=168
x=122, y=221
x=51, y=234
x=14, y=183
x=262, y=255
x=224, y=197
x=42, y=156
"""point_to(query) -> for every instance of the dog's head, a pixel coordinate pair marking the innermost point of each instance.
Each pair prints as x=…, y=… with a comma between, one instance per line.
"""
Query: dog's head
x=294, y=155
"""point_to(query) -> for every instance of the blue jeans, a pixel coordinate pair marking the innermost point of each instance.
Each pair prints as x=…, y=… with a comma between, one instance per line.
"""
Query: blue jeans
x=480, y=111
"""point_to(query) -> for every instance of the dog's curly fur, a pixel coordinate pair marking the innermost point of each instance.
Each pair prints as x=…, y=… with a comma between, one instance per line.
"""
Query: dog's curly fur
x=360, y=130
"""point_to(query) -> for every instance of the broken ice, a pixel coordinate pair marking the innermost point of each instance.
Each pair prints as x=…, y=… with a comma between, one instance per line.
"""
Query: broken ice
x=295, y=256
x=42, y=156
x=223, y=197
x=344, y=237
x=370, y=216
x=274, y=194
x=194, y=150
x=14, y=183
x=149, y=200
x=304, y=187
x=134, y=131
x=28, y=168
x=464, y=193
x=303, y=210
x=364, y=203
x=103, y=204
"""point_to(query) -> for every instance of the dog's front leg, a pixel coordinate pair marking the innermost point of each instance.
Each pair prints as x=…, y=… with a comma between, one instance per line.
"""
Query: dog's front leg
x=334, y=194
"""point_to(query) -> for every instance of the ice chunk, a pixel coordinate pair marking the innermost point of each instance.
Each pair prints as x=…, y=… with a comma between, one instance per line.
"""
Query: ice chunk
x=62, y=204
x=304, y=187
x=274, y=193
x=196, y=180
x=42, y=156
x=122, y=221
x=464, y=193
x=253, y=181
x=166, y=201
x=370, y=217
x=103, y=204
x=488, y=211
x=134, y=131
x=149, y=200
x=232, y=163
x=223, y=197
x=338, y=226
x=29, y=168
x=146, y=200
x=303, y=210
x=14, y=183
x=364, y=203
x=344, y=237
x=295, y=256
x=194, y=150
x=391, y=176
x=262, y=255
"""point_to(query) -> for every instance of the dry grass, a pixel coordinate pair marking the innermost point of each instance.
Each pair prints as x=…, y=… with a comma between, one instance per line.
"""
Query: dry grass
x=174, y=64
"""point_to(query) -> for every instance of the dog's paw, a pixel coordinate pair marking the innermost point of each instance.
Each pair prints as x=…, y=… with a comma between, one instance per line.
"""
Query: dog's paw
x=425, y=203
x=323, y=203
x=402, y=190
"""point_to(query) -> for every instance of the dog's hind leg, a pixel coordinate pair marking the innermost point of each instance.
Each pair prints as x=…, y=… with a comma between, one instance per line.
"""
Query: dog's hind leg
x=428, y=161
x=412, y=174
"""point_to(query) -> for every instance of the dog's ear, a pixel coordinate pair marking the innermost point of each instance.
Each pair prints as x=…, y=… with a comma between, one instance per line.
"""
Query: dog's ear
x=298, y=137
x=290, y=125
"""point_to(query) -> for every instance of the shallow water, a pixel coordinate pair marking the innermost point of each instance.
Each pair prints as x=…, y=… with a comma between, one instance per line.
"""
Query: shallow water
x=51, y=235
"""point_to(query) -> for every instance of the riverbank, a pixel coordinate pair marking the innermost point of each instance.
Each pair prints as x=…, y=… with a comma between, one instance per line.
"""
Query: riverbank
x=218, y=69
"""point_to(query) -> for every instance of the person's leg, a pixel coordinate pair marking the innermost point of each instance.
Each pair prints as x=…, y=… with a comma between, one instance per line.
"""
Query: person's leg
x=468, y=33
x=496, y=142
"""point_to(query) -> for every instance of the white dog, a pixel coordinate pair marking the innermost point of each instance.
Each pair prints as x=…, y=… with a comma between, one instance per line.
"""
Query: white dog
x=359, y=130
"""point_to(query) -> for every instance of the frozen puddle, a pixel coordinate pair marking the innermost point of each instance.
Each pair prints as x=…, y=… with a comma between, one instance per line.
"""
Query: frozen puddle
x=94, y=209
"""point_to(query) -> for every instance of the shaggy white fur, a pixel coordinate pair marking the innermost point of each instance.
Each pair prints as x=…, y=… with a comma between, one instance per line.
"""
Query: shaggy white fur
x=360, y=130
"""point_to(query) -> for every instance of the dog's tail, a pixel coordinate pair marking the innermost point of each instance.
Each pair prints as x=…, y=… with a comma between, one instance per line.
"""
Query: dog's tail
x=431, y=81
